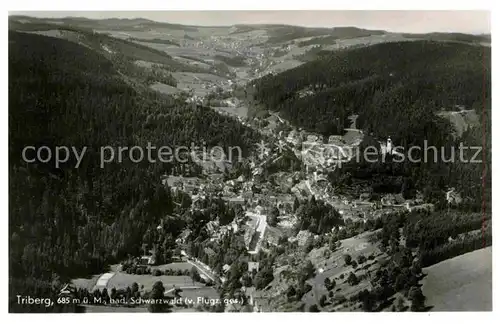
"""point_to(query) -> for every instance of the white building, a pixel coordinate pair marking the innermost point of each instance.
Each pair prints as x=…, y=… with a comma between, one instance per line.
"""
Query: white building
x=387, y=147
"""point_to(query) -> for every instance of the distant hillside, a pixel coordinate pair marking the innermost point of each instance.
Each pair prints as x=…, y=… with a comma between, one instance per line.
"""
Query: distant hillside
x=454, y=37
x=138, y=24
x=462, y=120
x=287, y=33
x=155, y=41
x=235, y=61
x=380, y=83
x=397, y=90
x=322, y=40
x=123, y=53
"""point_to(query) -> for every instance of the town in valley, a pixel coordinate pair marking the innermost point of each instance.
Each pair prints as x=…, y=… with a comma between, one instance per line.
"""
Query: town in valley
x=300, y=221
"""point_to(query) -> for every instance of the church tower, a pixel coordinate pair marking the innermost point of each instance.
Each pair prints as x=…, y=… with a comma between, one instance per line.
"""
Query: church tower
x=389, y=146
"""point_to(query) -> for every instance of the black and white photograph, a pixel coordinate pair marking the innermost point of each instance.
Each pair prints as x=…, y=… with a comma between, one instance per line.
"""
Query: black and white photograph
x=249, y=161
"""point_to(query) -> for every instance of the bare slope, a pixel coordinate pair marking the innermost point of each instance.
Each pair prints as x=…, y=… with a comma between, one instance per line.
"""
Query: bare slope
x=460, y=284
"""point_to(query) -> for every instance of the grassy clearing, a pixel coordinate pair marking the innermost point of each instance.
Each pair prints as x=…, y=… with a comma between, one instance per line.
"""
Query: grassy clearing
x=123, y=280
x=241, y=111
x=173, y=266
x=164, y=88
x=201, y=83
x=332, y=265
x=328, y=264
x=197, y=63
x=463, y=283
x=86, y=283
x=285, y=65
x=462, y=120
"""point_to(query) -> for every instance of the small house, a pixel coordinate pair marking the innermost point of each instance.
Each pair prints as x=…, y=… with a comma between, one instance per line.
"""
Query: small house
x=253, y=266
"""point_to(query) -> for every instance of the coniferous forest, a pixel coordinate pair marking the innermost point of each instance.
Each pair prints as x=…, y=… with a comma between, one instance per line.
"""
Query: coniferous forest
x=68, y=221
x=397, y=90
x=87, y=90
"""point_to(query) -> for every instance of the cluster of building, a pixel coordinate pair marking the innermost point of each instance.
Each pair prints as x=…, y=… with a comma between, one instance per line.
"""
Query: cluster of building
x=324, y=154
x=257, y=199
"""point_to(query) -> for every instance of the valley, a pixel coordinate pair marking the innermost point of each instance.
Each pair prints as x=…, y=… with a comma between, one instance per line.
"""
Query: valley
x=301, y=221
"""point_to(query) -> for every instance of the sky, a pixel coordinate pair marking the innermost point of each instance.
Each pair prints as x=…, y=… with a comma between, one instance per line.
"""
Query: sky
x=473, y=22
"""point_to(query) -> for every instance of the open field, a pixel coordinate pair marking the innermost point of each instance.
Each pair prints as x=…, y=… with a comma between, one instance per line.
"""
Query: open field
x=50, y=33
x=164, y=88
x=285, y=65
x=354, y=246
x=119, y=280
x=463, y=283
x=462, y=120
x=241, y=111
x=201, y=83
x=103, y=280
x=331, y=265
x=86, y=283
x=196, y=52
x=160, y=33
x=157, y=46
x=189, y=77
x=173, y=266
x=193, y=294
x=192, y=62
x=123, y=280
x=366, y=40
x=328, y=264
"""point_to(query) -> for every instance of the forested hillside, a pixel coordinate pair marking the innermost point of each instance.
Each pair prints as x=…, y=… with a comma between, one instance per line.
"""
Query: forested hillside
x=383, y=83
x=120, y=51
x=72, y=221
x=453, y=37
x=396, y=89
x=285, y=33
x=106, y=24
